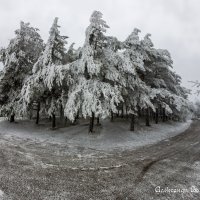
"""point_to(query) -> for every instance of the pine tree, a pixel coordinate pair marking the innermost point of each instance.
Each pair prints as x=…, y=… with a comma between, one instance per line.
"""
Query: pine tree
x=45, y=83
x=92, y=94
x=18, y=59
x=164, y=83
x=137, y=92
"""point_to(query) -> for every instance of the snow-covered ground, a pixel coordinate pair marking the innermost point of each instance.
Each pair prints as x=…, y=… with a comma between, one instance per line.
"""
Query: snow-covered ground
x=108, y=137
x=39, y=163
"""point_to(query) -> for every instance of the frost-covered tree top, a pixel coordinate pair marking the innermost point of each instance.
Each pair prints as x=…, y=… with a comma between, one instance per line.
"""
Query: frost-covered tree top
x=24, y=49
x=134, y=51
x=147, y=42
x=54, y=49
x=97, y=22
x=20, y=55
x=133, y=39
x=52, y=56
x=94, y=43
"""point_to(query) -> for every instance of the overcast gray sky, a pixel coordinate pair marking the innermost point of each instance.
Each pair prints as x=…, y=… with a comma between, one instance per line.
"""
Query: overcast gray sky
x=174, y=24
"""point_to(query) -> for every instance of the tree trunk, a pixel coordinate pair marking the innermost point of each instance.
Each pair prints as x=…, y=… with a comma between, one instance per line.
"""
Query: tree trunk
x=118, y=113
x=12, y=118
x=65, y=121
x=62, y=118
x=147, y=117
x=156, y=116
x=61, y=112
x=77, y=116
x=139, y=112
x=122, y=113
x=151, y=115
x=38, y=113
x=31, y=113
x=160, y=112
x=98, y=122
x=132, y=126
x=164, y=115
x=112, y=117
x=127, y=112
x=53, y=121
x=91, y=126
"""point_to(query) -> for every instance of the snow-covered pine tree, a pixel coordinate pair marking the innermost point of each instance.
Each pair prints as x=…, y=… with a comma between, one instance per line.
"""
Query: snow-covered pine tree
x=137, y=93
x=164, y=83
x=158, y=61
x=18, y=59
x=45, y=83
x=91, y=93
x=180, y=105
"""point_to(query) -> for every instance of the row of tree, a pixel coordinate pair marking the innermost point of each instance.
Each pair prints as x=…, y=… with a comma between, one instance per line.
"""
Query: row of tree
x=103, y=78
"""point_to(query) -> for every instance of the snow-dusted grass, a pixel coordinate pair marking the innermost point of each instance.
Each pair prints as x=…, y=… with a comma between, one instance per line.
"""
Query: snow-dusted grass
x=143, y=135
x=196, y=168
x=108, y=137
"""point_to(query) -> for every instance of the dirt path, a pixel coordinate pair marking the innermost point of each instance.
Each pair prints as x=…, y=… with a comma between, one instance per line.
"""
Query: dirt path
x=35, y=170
